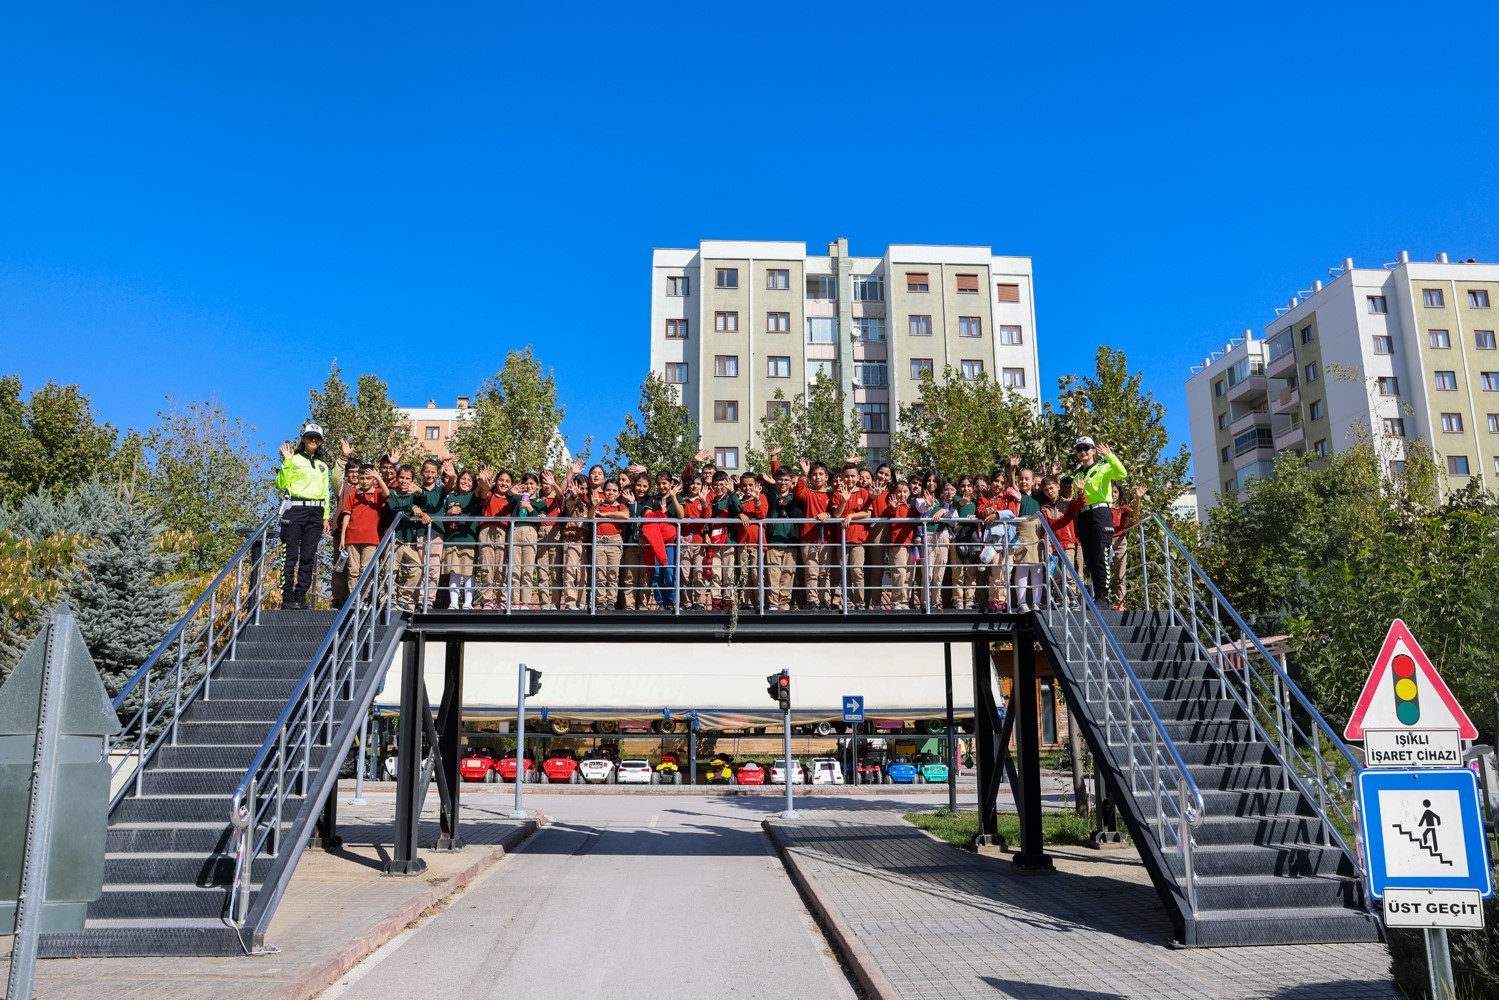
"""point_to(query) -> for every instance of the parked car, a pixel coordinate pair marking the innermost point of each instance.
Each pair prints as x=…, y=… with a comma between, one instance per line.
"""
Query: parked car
x=720, y=770
x=506, y=767
x=561, y=766
x=749, y=773
x=477, y=764
x=900, y=770
x=668, y=770
x=596, y=769
x=778, y=772
x=871, y=769
x=929, y=768
x=825, y=771
x=635, y=772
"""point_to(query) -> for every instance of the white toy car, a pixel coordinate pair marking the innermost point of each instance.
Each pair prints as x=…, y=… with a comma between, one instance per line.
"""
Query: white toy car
x=826, y=771
x=635, y=772
x=597, y=770
x=778, y=772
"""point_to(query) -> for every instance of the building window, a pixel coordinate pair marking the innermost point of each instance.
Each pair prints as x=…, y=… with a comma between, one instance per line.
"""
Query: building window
x=1452, y=423
x=869, y=288
x=1478, y=298
x=778, y=366
x=871, y=373
x=1227, y=454
x=1377, y=305
x=821, y=330
x=1439, y=339
x=726, y=411
x=1457, y=465
x=726, y=322
x=777, y=278
x=1494, y=423
x=816, y=369
x=1010, y=336
x=1431, y=298
x=1397, y=468
x=433, y=433
x=777, y=322
x=776, y=409
x=1447, y=381
x=726, y=458
x=676, y=329
x=973, y=369
x=968, y=284
x=1012, y=377
x=726, y=365
x=970, y=326
x=918, y=281
x=1394, y=427
x=920, y=367
x=1218, y=388
x=921, y=326
x=873, y=417
x=869, y=330
x=1484, y=339
x=1320, y=448
x=1313, y=372
x=1490, y=381
x=1389, y=385
x=676, y=372
x=1223, y=421
x=821, y=288
x=1006, y=293
x=1306, y=334
x=726, y=277
x=676, y=285
x=1384, y=345
x=1315, y=409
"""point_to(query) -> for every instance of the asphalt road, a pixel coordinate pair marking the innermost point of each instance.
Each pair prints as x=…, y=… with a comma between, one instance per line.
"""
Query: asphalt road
x=666, y=896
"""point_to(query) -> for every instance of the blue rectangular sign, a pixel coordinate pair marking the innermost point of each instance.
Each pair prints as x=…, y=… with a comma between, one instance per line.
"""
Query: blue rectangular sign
x=1422, y=829
x=853, y=708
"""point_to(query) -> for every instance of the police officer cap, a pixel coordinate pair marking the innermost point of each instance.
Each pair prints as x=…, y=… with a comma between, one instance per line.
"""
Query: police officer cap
x=312, y=430
x=1084, y=442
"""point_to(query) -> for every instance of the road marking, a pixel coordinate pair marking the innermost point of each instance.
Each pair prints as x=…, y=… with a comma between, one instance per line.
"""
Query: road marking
x=652, y=823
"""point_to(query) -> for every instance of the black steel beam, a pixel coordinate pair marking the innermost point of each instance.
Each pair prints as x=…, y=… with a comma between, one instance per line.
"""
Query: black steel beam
x=794, y=626
x=409, y=761
x=1023, y=702
x=988, y=749
x=449, y=729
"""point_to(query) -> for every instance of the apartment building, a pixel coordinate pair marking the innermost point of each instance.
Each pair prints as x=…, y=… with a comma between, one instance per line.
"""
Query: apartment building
x=432, y=425
x=734, y=321
x=1389, y=355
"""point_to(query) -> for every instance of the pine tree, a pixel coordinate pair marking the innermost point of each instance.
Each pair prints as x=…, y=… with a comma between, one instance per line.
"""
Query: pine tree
x=664, y=438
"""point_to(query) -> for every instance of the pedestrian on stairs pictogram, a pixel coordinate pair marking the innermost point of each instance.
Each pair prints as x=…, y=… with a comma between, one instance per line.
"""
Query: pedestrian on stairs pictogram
x=1422, y=830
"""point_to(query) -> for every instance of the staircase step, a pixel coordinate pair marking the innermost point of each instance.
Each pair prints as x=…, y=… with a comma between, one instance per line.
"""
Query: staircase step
x=1166, y=669
x=1249, y=831
x=214, y=756
x=1146, y=650
x=1196, y=709
x=1287, y=860
x=256, y=649
x=202, y=839
x=1250, y=894
x=1242, y=777
x=253, y=689
x=209, y=732
x=141, y=901
x=1257, y=802
x=1187, y=688
x=1227, y=754
x=145, y=938
x=263, y=711
x=246, y=669
x=1319, y=925
x=159, y=781
x=198, y=870
x=1209, y=731
x=280, y=616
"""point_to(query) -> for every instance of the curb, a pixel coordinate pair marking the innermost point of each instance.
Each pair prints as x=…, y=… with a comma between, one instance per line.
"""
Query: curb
x=864, y=967
x=326, y=972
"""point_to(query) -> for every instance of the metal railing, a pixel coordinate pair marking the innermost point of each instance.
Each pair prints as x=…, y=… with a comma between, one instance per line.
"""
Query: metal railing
x=1316, y=758
x=599, y=566
x=1126, y=719
x=284, y=767
x=182, y=666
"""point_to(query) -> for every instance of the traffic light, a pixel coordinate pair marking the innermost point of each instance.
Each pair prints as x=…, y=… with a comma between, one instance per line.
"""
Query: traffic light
x=1407, y=703
x=533, y=681
x=778, y=686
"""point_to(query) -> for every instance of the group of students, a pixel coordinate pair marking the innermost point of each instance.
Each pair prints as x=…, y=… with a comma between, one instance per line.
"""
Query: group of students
x=709, y=540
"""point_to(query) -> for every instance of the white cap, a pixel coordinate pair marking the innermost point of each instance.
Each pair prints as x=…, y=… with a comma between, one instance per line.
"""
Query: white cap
x=312, y=430
x=1083, y=442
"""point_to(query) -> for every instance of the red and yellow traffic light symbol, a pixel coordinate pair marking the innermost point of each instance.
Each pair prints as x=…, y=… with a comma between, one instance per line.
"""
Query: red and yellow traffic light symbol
x=1407, y=701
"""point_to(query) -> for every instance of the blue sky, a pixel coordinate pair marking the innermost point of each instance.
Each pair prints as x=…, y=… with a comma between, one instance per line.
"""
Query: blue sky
x=204, y=202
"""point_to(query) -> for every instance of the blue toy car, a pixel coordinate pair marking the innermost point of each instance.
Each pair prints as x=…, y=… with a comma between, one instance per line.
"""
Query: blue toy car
x=900, y=770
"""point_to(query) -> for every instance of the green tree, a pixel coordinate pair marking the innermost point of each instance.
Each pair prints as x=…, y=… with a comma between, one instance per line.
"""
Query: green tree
x=366, y=417
x=516, y=420
x=205, y=476
x=50, y=440
x=1113, y=407
x=665, y=437
x=820, y=427
x=961, y=426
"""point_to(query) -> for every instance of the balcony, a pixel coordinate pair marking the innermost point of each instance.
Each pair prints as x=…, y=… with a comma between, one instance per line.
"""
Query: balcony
x=1291, y=437
x=1249, y=389
x=1254, y=445
x=1289, y=399
x=1277, y=367
x=1254, y=418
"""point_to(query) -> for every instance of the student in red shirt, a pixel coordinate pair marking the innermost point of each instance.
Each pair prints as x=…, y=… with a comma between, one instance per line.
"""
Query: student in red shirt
x=854, y=508
x=493, y=491
x=753, y=508
x=363, y=506
x=1061, y=514
x=817, y=501
x=610, y=547
x=1124, y=519
x=696, y=505
x=900, y=518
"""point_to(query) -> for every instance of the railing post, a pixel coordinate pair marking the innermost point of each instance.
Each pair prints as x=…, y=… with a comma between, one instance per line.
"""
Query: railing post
x=247, y=854
x=280, y=792
x=177, y=685
x=140, y=741
x=239, y=571
x=760, y=573
x=926, y=582
x=1190, y=876
x=428, y=585
x=1157, y=791
x=593, y=594
x=1145, y=566
x=676, y=571
x=307, y=697
x=510, y=567
x=843, y=587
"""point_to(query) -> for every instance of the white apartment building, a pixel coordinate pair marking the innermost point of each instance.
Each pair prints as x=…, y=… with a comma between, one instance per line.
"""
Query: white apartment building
x=733, y=321
x=1388, y=355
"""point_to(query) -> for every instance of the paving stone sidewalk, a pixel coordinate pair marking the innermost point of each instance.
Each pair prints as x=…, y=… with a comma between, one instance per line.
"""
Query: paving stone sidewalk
x=337, y=909
x=936, y=921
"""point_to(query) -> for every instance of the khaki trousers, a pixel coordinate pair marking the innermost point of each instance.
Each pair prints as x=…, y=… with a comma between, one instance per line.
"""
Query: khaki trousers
x=608, y=552
x=522, y=568
x=574, y=581
x=963, y=575
x=934, y=554
x=408, y=572
x=817, y=556
x=899, y=575
x=780, y=576
x=492, y=551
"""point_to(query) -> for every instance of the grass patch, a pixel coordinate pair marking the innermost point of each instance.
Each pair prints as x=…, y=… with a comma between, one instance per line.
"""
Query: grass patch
x=1061, y=829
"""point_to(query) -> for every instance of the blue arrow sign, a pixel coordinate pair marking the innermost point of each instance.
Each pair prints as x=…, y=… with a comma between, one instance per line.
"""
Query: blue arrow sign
x=853, y=708
x=1423, y=830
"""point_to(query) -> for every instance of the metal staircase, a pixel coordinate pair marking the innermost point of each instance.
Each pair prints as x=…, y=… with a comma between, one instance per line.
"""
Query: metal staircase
x=235, y=700
x=1235, y=790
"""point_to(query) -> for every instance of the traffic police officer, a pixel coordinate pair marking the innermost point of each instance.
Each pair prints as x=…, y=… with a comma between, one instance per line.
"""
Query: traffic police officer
x=304, y=515
x=1095, y=524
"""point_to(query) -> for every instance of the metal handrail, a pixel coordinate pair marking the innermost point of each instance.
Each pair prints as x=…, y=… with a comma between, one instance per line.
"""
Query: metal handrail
x=284, y=760
x=1108, y=677
x=1316, y=777
x=186, y=660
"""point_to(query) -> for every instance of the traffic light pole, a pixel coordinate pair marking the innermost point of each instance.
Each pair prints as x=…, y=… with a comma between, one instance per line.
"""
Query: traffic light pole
x=789, y=812
x=520, y=742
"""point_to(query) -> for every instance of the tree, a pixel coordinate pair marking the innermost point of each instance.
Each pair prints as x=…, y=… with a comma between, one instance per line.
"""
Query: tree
x=516, y=420
x=205, y=477
x=960, y=426
x=820, y=427
x=665, y=437
x=367, y=418
x=49, y=440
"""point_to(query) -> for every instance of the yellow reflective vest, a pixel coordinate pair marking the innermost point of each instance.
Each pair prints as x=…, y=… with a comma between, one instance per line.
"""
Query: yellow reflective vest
x=305, y=478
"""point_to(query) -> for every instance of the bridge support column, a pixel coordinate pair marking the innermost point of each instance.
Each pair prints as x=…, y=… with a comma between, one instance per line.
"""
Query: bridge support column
x=449, y=731
x=1025, y=708
x=403, y=860
x=326, y=835
x=989, y=750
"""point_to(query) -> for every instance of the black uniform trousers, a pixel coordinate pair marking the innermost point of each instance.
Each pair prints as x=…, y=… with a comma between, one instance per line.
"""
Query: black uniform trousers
x=1095, y=532
x=301, y=529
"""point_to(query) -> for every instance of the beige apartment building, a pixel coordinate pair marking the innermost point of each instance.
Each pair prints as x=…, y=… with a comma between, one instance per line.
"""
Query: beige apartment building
x=432, y=425
x=734, y=321
x=1392, y=355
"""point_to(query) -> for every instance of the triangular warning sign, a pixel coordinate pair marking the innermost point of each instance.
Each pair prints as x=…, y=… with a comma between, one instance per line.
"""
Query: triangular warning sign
x=1404, y=692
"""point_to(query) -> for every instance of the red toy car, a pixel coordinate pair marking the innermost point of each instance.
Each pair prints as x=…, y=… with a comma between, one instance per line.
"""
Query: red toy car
x=477, y=764
x=749, y=773
x=505, y=768
x=561, y=767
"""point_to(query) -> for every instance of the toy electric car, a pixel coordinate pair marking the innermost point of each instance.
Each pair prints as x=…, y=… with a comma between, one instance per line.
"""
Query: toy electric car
x=635, y=772
x=870, y=769
x=596, y=769
x=900, y=771
x=778, y=772
x=929, y=768
x=505, y=768
x=560, y=767
x=749, y=773
x=477, y=764
x=668, y=770
x=826, y=771
x=720, y=770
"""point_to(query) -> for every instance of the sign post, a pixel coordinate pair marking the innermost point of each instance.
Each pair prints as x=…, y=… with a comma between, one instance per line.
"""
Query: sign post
x=1419, y=814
